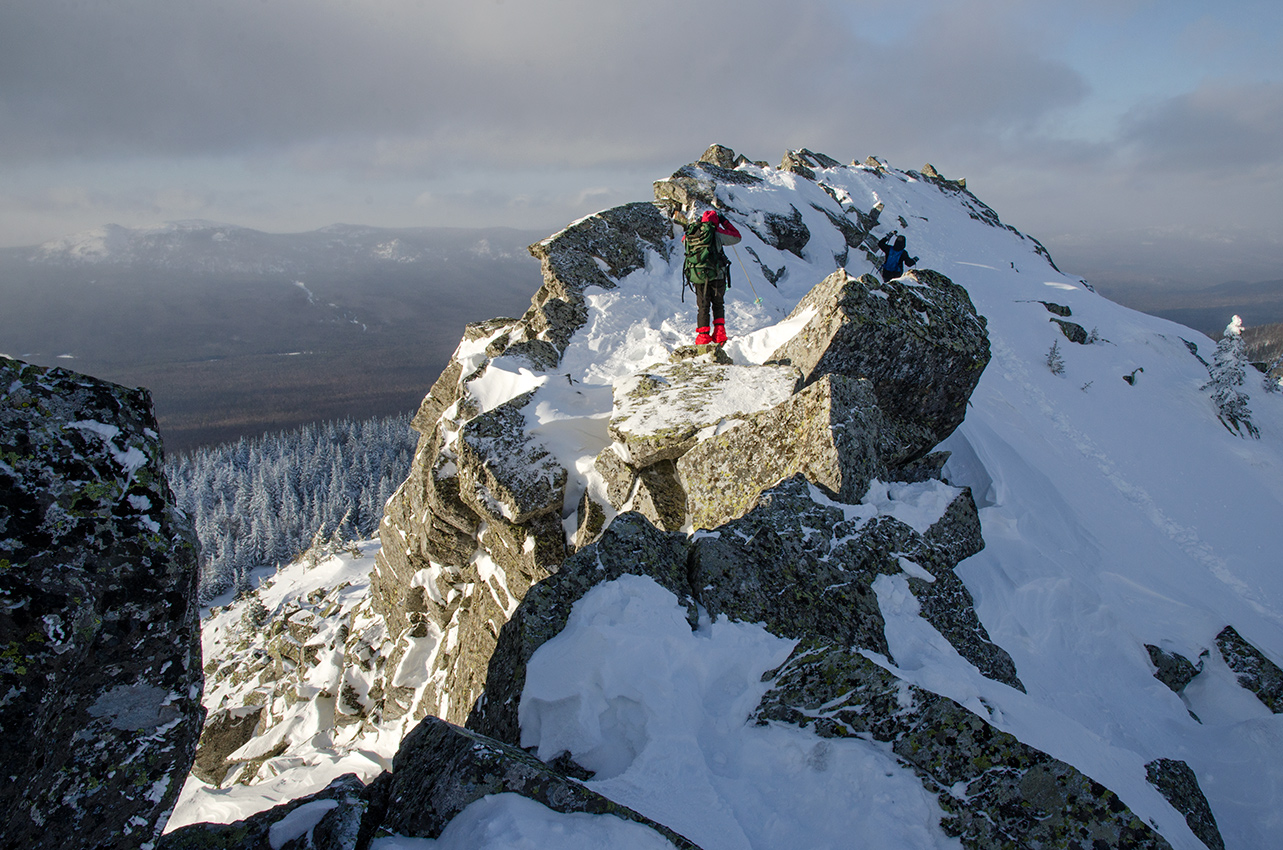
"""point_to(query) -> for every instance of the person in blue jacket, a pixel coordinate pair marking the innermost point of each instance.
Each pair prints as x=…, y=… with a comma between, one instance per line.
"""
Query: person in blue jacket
x=896, y=257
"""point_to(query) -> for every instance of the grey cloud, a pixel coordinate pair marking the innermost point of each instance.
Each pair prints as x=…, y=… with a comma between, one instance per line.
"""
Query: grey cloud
x=148, y=77
x=1216, y=125
x=413, y=87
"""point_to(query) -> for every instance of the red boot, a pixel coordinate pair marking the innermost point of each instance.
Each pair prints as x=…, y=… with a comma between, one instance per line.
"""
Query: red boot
x=702, y=337
x=719, y=331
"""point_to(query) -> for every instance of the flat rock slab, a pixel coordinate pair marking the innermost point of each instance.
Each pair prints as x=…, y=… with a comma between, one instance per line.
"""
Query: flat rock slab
x=829, y=432
x=659, y=412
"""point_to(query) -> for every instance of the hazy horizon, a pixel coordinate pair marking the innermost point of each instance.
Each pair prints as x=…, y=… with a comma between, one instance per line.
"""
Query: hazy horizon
x=1135, y=139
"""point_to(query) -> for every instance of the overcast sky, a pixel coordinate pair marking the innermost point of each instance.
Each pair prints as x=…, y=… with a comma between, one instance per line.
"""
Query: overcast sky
x=1136, y=138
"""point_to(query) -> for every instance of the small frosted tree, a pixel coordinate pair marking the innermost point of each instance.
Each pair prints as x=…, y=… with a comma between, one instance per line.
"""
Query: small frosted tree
x=1055, y=362
x=1227, y=370
x=1270, y=382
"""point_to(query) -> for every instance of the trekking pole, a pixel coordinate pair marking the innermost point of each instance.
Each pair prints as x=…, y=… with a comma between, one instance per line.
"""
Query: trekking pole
x=756, y=299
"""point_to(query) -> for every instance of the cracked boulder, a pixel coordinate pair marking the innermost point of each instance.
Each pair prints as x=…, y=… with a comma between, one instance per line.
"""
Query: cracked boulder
x=917, y=340
x=101, y=670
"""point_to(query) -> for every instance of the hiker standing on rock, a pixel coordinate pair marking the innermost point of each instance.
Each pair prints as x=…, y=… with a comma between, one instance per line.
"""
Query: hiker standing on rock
x=707, y=271
x=896, y=257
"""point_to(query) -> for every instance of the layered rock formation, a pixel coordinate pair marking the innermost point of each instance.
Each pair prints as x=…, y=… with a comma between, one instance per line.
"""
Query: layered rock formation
x=100, y=677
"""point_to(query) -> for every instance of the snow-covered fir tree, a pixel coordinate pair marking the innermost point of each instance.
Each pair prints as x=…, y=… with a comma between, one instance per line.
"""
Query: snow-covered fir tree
x=1055, y=360
x=1228, y=368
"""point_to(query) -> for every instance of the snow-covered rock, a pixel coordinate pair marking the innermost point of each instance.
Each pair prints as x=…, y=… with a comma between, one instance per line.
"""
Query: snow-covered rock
x=100, y=680
x=442, y=769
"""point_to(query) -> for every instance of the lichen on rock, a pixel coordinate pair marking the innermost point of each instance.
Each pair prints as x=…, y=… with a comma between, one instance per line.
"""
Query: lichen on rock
x=100, y=672
x=1254, y=671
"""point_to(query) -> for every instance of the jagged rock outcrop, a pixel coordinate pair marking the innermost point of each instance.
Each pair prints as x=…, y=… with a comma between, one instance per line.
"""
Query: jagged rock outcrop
x=1172, y=669
x=441, y=769
x=495, y=535
x=483, y=514
x=1254, y=671
x=478, y=519
x=996, y=791
x=100, y=680
x=331, y=819
x=918, y=341
x=1176, y=781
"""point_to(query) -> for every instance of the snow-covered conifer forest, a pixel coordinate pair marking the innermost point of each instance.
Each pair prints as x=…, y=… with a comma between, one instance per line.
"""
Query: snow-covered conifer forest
x=264, y=501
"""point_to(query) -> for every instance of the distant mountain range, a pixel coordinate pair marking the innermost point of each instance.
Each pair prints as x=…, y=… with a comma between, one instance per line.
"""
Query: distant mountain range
x=1208, y=310
x=236, y=331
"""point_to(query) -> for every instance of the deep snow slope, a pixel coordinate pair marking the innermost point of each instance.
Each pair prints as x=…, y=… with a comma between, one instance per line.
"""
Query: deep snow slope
x=1116, y=514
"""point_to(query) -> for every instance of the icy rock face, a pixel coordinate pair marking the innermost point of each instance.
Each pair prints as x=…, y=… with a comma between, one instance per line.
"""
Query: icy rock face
x=441, y=769
x=804, y=568
x=101, y=664
x=772, y=566
x=917, y=340
x=1176, y=781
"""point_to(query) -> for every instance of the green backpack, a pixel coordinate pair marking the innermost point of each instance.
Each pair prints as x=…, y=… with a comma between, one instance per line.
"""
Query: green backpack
x=705, y=260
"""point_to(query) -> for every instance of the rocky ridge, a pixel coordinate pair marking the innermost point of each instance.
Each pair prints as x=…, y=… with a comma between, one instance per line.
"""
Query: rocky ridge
x=497, y=532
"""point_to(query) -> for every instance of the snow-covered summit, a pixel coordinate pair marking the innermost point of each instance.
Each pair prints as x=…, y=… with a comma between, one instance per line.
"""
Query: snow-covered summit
x=1124, y=526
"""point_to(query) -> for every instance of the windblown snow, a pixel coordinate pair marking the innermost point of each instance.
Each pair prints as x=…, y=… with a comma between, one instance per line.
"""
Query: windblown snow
x=1116, y=513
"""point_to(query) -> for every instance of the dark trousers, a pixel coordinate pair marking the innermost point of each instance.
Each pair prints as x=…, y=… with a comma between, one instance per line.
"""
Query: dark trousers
x=709, y=297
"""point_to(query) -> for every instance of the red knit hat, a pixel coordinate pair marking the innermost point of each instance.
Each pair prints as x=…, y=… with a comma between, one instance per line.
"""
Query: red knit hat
x=710, y=215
